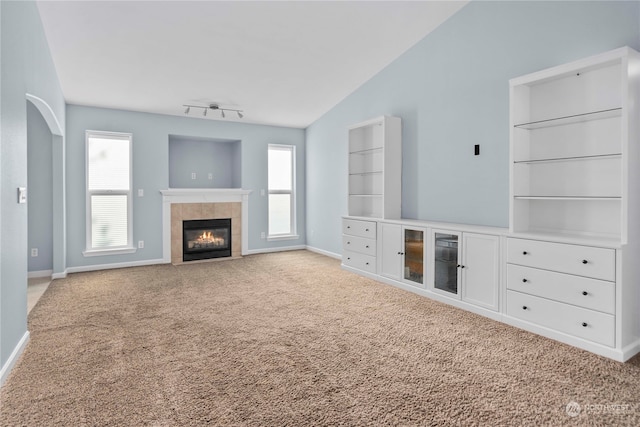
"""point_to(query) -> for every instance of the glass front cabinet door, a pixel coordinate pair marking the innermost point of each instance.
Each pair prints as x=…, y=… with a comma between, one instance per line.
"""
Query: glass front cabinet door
x=446, y=264
x=414, y=255
x=402, y=253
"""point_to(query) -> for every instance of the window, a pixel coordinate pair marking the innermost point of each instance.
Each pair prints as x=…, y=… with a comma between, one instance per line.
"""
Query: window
x=109, y=196
x=282, y=211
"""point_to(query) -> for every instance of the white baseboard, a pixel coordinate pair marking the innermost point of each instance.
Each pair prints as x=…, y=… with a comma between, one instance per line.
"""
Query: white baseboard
x=38, y=274
x=96, y=267
x=13, y=358
x=59, y=275
x=280, y=249
x=631, y=350
x=323, y=252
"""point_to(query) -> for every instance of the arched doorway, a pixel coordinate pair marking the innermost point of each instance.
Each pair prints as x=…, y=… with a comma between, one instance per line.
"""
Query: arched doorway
x=46, y=199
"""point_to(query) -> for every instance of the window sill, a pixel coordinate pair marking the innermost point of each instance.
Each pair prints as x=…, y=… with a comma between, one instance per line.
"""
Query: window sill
x=103, y=252
x=275, y=238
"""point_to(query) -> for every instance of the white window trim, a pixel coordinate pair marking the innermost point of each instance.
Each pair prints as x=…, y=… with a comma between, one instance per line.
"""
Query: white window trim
x=294, y=230
x=116, y=250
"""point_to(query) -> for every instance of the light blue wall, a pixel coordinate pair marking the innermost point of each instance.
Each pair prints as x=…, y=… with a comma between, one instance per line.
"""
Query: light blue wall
x=220, y=158
x=26, y=67
x=151, y=173
x=40, y=194
x=451, y=91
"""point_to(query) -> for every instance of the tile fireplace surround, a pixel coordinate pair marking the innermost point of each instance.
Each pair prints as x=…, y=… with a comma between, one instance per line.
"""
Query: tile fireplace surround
x=186, y=204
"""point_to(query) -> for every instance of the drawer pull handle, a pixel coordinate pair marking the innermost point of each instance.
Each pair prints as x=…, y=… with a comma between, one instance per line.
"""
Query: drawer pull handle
x=367, y=246
x=462, y=266
x=348, y=226
x=525, y=253
x=366, y=229
x=458, y=266
x=348, y=258
x=585, y=293
x=366, y=263
x=348, y=243
x=524, y=307
x=584, y=324
x=524, y=280
x=584, y=261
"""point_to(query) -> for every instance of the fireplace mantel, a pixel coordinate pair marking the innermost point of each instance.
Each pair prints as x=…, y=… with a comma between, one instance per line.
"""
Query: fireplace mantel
x=202, y=195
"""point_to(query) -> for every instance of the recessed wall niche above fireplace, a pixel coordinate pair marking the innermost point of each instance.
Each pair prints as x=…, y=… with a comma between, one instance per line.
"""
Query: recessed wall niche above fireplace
x=206, y=238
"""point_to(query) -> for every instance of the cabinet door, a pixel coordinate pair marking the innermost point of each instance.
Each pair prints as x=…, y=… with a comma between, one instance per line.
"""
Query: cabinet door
x=390, y=250
x=414, y=259
x=445, y=267
x=481, y=270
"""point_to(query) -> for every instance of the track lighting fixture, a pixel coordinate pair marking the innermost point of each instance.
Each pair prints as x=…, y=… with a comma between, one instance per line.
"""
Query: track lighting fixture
x=212, y=107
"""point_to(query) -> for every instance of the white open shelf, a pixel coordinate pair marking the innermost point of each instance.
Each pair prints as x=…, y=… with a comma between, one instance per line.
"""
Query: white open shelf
x=568, y=165
x=374, y=152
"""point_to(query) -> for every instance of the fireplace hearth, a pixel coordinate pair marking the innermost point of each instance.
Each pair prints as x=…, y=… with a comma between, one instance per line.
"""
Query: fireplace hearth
x=206, y=238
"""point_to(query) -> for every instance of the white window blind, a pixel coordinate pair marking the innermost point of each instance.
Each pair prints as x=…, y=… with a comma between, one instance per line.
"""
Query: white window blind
x=281, y=184
x=108, y=191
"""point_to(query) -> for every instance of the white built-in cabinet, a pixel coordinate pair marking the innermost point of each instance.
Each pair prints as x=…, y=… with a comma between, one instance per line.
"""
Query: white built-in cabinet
x=402, y=253
x=375, y=163
x=459, y=265
x=572, y=255
x=466, y=266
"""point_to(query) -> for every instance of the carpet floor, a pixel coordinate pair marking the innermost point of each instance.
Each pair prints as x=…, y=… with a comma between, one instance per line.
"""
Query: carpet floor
x=290, y=339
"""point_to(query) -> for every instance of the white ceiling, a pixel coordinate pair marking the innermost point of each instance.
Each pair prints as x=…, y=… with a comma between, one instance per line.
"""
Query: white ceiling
x=283, y=63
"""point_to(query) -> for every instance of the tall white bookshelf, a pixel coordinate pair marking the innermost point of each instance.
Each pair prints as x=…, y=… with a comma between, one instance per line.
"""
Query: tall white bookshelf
x=572, y=254
x=570, y=153
x=375, y=168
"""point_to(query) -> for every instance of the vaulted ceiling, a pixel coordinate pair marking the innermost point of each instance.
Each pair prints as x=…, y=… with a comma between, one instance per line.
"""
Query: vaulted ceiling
x=282, y=63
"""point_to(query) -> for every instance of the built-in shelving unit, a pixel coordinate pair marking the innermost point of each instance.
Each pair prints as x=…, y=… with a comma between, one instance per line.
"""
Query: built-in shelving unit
x=572, y=269
x=375, y=158
x=569, y=166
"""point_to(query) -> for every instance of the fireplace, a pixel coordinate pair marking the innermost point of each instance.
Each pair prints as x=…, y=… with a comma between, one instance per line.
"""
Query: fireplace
x=206, y=238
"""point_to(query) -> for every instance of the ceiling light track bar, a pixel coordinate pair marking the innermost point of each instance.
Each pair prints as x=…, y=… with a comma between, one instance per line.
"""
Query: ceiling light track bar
x=214, y=107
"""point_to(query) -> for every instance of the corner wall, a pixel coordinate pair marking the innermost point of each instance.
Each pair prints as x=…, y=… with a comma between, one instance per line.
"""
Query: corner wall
x=26, y=67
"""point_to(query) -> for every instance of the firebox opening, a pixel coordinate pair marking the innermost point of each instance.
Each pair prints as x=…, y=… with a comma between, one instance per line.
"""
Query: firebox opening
x=206, y=238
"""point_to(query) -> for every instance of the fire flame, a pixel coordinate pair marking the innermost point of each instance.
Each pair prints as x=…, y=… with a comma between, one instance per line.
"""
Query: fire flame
x=208, y=237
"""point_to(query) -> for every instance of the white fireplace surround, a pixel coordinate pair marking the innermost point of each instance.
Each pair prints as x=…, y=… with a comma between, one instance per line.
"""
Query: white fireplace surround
x=202, y=195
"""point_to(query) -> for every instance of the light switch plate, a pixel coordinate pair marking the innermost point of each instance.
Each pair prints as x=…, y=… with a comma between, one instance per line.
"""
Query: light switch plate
x=22, y=195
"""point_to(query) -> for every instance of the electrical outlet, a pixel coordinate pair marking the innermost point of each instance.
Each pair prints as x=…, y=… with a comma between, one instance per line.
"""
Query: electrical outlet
x=193, y=175
x=140, y=192
x=34, y=252
x=210, y=175
x=140, y=244
x=262, y=192
x=263, y=235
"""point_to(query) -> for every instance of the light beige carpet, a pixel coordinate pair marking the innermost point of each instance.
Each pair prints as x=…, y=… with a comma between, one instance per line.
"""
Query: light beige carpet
x=289, y=339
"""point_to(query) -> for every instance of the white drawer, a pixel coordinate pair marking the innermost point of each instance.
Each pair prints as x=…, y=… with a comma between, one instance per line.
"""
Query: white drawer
x=355, y=227
x=582, y=291
x=361, y=245
x=359, y=261
x=580, y=322
x=587, y=261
